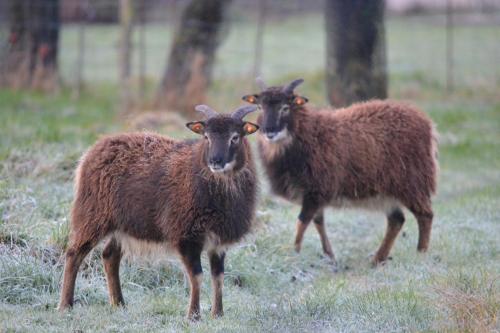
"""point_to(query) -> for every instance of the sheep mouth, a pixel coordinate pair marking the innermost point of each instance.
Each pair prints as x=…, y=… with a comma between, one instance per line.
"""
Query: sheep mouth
x=222, y=169
x=276, y=136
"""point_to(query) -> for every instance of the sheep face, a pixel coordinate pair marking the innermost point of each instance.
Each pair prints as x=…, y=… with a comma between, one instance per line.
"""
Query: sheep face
x=278, y=105
x=224, y=143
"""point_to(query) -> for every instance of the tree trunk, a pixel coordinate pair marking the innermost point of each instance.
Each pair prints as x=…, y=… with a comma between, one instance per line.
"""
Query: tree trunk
x=191, y=59
x=356, y=60
x=45, y=44
x=15, y=60
x=30, y=60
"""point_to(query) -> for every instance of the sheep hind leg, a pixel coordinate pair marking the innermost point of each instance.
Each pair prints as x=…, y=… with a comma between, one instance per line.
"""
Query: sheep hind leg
x=308, y=211
x=395, y=221
x=424, y=220
x=111, y=256
x=300, y=230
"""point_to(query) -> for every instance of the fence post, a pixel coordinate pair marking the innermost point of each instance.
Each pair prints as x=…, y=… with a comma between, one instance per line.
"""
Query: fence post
x=125, y=49
x=449, y=47
x=142, y=53
x=261, y=21
x=80, y=59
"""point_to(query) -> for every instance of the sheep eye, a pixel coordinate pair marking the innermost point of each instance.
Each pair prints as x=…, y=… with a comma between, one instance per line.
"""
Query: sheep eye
x=285, y=109
x=235, y=139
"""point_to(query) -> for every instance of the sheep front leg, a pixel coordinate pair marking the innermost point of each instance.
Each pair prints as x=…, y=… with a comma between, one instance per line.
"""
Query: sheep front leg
x=309, y=208
x=319, y=222
x=191, y=257
x=217, y=270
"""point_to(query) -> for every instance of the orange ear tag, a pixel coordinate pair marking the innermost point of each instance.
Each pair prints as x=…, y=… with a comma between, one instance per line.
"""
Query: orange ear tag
x=197, y=128
x=249, y=128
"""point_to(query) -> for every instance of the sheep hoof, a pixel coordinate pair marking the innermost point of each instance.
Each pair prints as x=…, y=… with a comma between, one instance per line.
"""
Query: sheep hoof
x=194, y=317
x=297, y=248
x=377, y=261
x=63, y=308
x=331, y=257
x=216, y=315
x=422, y=249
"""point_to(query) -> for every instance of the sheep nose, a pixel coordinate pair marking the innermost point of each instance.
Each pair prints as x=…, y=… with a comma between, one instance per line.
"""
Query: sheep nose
x=216, y=162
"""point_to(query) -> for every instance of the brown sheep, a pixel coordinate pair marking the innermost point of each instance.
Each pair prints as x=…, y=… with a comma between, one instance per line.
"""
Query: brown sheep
x=379, y=155
x=156, y=193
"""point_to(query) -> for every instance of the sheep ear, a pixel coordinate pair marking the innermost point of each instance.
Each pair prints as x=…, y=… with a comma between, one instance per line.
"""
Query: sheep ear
x=251, y=98
x=196, y=126
x=300, y=100
x=250, y=128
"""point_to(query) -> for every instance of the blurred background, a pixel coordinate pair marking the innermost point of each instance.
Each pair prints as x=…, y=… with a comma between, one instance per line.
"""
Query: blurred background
x=173, y=54
x=74, y=70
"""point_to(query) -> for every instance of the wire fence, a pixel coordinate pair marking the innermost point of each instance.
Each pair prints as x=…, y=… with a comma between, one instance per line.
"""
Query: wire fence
x=458, y=47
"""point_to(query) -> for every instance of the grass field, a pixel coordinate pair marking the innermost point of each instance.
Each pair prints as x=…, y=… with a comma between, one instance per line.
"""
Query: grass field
x=454, y=287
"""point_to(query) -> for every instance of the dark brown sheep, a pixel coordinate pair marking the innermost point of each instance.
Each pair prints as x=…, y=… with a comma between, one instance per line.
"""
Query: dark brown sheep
x=147, y=192
x=379, y=155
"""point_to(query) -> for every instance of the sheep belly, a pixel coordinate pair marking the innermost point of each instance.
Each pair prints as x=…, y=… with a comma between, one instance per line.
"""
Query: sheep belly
x=143, y=250
x=377, y=203
x=135, y=249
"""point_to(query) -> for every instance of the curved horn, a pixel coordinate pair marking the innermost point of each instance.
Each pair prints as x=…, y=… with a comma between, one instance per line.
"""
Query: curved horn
x=260, y=83
x=206, y=110
x=241, y=112
x=289, y=88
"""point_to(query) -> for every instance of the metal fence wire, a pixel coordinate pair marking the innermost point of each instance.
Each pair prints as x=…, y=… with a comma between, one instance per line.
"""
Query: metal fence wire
x=274, y=38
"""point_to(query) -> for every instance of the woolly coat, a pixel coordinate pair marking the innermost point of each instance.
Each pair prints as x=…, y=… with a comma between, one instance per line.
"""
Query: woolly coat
x=156, y=189
x=376, y=149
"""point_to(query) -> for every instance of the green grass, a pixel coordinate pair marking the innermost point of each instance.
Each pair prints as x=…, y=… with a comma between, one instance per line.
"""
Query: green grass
x=454, y=287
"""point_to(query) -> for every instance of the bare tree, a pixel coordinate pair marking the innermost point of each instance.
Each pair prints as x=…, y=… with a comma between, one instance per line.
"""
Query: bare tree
x=191, y=58
x=31, y=58
x=356, y=59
